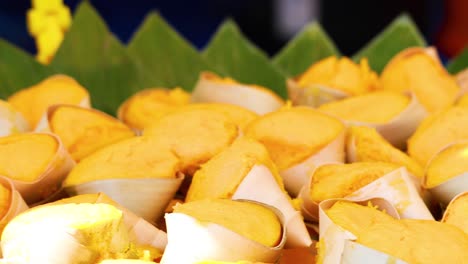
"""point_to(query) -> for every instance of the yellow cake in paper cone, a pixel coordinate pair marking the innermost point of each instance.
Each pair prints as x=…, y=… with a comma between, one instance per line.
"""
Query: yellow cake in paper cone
x=210, y=229
x=147, y=106
x=36, y=164
x=449, y=163
x=212, y=88
x=409, y=240
x=292, y=135
x=298, y=139
x=11, y=120
x=456, y=213
x=25, y=157
x=138, y=173
x=195, y=135
x=341, y=74
x=221, y=176
x=436, y=132
x=376, y=108
x=250, y=220
x=135, y=158
x=419, y=70
x=365, y=144
x=339, y=180
x=33, y=102
x=73, y=233
x=84, y=131
x=237, y=172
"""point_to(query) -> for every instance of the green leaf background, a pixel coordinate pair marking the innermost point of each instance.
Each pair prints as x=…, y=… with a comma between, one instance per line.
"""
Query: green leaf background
x=233, y=54
x=399, y=35
x=310, y=45
x=158, y=56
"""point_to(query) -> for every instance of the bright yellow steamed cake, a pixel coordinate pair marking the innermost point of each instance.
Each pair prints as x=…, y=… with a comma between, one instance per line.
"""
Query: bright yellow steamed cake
x=25, y=157
x=248, y=219
x=294, y=134
x=33, y=101
x=84, y=131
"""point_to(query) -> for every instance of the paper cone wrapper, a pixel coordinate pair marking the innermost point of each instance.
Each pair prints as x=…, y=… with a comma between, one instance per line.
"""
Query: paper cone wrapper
x=50, y=180
x=298, y=175
x=448, y=190
x=191, y=241
x=462, y=80
x=313, y=95
x=17, y=204
x=334, y=238
x=402, y=126
x=11, y=121
x=147, y=198
x=398, y=188
x=260, y=101
x=449, y=206
x=418, y=182
x=359, y=254
x=141, y=231
x=271, y=194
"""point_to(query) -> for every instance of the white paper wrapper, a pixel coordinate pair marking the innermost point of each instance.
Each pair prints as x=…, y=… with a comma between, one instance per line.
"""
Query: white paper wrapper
x=257, y=100
x=448, y=190
x=313, y=95
x=190, y=241
x=397, y=187
x=147, y=198
x=17, y=204
x=50, y=180
x=11, y=121
x=418, y=182
x=298, y=175
x=271, y=194
x=402, y=126
x=336, y=239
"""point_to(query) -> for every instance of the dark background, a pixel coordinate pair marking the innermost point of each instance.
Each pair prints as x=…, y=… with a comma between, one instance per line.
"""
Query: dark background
x=351, y=24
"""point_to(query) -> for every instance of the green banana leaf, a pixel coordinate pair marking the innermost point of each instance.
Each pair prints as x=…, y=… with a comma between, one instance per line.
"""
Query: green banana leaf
x=459, y=63
x=167, y=56
x=231, y=53
x=310, y=45
x=18, y=69
x=400, y=34
x=97, y=60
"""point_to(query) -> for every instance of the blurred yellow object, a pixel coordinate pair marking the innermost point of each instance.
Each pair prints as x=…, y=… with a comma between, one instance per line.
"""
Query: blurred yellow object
x=463, y=101
x=341, y=74
x=47, y=21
